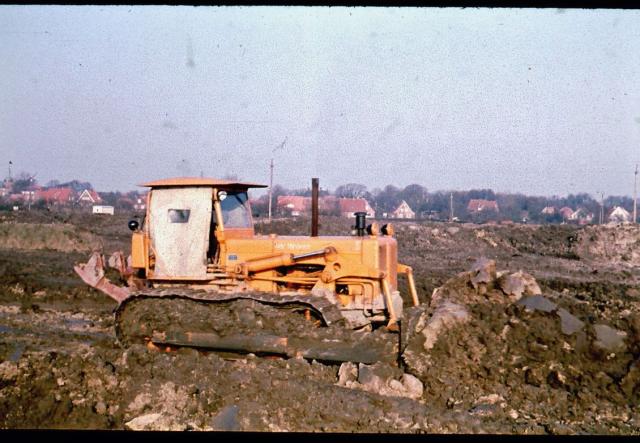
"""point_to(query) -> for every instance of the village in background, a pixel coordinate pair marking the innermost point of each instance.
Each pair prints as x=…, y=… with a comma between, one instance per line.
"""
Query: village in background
x=413, y=202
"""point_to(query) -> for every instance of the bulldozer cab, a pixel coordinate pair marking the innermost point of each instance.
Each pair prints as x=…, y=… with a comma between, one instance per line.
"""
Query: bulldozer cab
x=179, y=223
x=183, y=223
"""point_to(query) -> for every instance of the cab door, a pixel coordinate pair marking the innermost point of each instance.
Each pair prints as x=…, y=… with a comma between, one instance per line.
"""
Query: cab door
x=179, y=229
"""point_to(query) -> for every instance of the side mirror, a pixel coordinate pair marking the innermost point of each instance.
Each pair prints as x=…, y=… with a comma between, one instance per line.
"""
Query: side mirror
x=133, y=225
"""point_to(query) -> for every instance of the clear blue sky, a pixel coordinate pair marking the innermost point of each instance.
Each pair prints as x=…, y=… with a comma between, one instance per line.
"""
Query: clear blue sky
x=538, y=101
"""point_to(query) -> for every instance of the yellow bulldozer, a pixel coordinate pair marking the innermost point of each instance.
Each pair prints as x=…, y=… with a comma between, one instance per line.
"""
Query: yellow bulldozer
x=199, y=276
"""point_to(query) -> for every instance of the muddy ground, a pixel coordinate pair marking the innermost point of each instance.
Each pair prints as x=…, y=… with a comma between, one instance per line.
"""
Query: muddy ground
x=561, y=361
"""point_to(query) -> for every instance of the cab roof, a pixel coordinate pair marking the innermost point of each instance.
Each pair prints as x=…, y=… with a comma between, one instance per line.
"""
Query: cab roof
x=200, y=181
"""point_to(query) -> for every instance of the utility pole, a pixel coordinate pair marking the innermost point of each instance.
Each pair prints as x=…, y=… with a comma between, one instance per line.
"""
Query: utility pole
x=10, y=163
x=451, y=207
x=271, y=175
x=635, y=195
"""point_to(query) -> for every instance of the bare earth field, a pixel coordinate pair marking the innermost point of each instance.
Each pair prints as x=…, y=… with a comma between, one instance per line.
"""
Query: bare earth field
x=557, y=355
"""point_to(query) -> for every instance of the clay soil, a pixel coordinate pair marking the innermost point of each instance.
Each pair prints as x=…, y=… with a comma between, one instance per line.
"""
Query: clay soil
x=507, y=370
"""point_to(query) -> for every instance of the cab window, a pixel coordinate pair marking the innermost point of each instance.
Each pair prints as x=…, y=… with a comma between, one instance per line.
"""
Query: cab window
x=235, y=210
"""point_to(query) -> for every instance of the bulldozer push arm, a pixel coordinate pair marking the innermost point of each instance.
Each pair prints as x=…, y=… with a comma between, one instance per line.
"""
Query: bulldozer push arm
x=275, y=261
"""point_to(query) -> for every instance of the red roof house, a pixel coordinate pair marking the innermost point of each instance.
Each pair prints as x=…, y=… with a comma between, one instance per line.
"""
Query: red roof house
x=566, y=212
x=89, y=196
x=349, y=206
x=293, y=204
x=59, y=196
x=403, y=211
x=480, y=205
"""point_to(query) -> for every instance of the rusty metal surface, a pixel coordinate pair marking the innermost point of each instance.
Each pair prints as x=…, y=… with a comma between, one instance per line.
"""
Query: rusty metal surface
x=92, y=273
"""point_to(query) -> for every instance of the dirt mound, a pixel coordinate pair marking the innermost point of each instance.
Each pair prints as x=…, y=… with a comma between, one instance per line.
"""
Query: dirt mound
x=35, y=236
x=108, y=388
x=614, y=244
x=527, y=356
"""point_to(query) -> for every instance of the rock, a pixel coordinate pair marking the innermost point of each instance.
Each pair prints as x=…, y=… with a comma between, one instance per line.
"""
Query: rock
x=453, y=230
x=396, y=385
x=101, y=408
x=412, y=386
x=142, y=422
x=490, y=399
x=569, y=323
x=374, y=377
x=369, y=379
x=511, y=285
x=348, y=372
x=609, y=339
x=8, y=371
x=483, y=271
x=226, y=419
x=519, y=284
x=447, y=314
x=141, y=401
x=537, y=303
x=382, y=379
x=531, y=286
x=380, y=369
x=484, y=409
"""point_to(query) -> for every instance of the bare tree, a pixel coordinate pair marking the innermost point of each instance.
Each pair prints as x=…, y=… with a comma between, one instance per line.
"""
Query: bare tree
x=351, y=190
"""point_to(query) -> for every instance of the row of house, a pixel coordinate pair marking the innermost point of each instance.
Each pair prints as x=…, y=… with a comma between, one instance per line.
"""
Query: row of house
x=616, y=215
x=295, y=205
x=54, y=196
x=581, y=216
x=64, y=196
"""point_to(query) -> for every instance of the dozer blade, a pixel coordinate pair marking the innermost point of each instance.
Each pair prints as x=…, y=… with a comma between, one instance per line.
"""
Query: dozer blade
x=331, y=351
x=92, y=273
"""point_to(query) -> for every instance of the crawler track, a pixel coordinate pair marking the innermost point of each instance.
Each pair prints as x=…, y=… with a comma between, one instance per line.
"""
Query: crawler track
x=254, y=315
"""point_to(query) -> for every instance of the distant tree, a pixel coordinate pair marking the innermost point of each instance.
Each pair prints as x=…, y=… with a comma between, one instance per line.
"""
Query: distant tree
x=351, y=190
x=277, y=191
x=52, y=184
x=110, y=198
x=306, y=192
x=77, y=185
x=619, y=200
x=23, y=181
x=388, y=199
x=260, y=206
x=484, y=194
x=556, y=217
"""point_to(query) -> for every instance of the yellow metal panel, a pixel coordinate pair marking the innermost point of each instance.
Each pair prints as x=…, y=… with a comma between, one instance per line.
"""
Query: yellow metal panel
x=138, y=252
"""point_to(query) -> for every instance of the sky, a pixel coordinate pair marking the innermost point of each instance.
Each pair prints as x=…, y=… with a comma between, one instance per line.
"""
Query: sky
x=535, y=101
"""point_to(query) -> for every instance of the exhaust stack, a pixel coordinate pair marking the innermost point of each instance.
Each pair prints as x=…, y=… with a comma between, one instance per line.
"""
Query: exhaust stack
x=361, y=223
x=314, y=207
